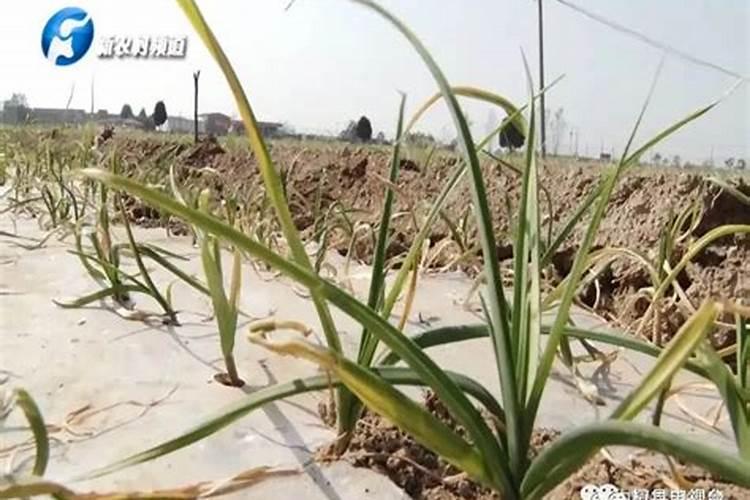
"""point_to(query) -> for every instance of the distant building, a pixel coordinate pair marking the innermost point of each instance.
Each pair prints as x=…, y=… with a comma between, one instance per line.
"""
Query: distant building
x=181, y=125
x=267, y=129
x=216, y=123
x=117, y=122
x=16, y=115
x=54, y=116
x=104, y=118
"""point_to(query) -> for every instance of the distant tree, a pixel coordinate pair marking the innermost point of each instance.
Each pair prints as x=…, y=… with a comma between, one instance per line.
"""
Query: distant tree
x=16, y=109
x=160, y=114
x=421, y=138
x=146, y=121
x=491, y=123
x=557, y=127
x=364, y=129
x=741, y=164
x=126, y=112
x=380, y=138
x=676, y=161
x=350, y=132
x=656, y=159
x=18, y=99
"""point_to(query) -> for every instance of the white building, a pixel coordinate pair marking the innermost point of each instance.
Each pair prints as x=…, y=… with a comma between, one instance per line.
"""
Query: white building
x=182, y=125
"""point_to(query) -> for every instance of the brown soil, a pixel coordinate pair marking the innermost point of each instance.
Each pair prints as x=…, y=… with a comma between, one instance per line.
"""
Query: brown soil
x=379, y=445
x=645, y=200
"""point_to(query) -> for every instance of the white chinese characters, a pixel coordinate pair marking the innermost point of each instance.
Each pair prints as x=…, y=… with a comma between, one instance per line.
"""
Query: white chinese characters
x=142, y=47
x=611, y=492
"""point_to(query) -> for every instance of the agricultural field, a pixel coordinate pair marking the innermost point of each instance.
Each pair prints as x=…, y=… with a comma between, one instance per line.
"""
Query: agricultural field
x=340, y=187
x=250, y=318
x=335, y=194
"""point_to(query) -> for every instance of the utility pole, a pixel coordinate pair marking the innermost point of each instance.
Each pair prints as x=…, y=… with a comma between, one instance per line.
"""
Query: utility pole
x=196, y=76
x=541, y=80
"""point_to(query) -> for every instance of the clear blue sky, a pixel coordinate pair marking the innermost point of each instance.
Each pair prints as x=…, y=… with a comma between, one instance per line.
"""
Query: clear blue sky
x=325, y=62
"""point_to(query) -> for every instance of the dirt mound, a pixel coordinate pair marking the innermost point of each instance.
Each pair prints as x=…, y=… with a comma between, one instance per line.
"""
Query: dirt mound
x=379, y=445
x=203, y=153
x=645, y=202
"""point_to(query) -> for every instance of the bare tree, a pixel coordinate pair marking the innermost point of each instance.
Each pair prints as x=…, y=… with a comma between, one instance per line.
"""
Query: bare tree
x=349, y=133
x=557, y=127
x=70, y=96
x=16, y=108
x=18, y=99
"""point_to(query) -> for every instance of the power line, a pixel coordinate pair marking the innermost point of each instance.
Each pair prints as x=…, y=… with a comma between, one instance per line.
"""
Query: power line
x=650, y=41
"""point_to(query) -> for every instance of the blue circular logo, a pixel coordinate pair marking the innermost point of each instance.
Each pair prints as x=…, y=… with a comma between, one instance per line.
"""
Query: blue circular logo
x=67, y=36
